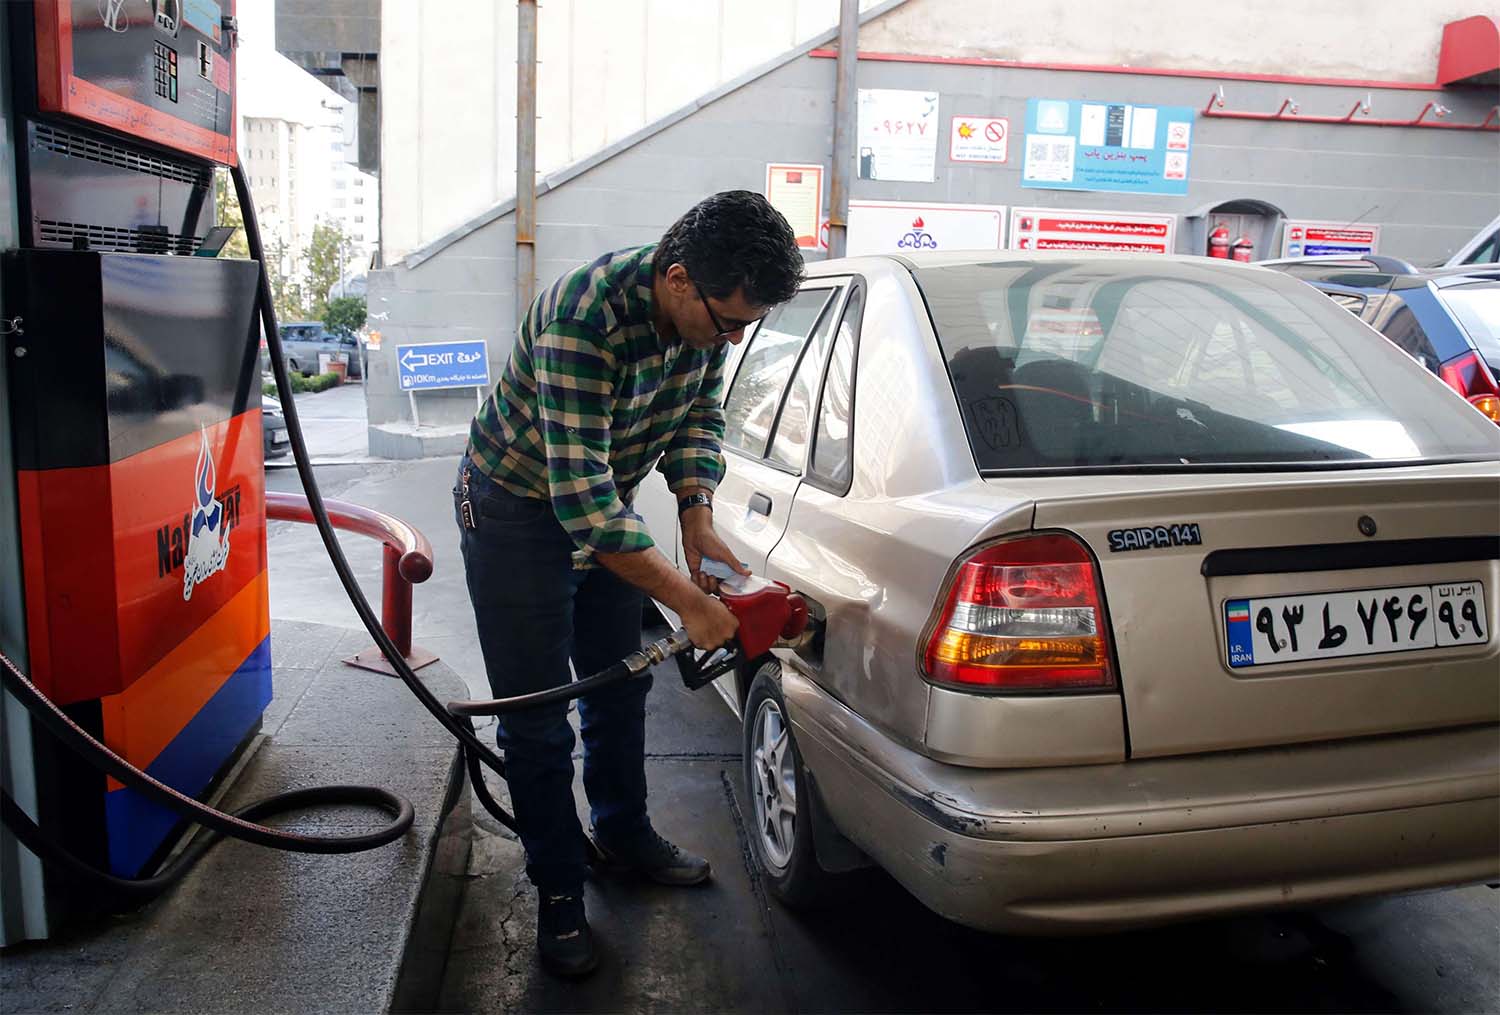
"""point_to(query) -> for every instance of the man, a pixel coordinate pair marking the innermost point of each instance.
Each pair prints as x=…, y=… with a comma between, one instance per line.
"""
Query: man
x=618, y=366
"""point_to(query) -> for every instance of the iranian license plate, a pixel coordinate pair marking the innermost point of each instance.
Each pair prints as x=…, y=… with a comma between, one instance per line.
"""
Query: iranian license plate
x=1325, y=625
x=278, y=437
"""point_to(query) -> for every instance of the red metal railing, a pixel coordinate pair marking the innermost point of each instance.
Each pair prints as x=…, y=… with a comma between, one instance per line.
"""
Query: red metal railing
x=408, y=560
x=1359, y=115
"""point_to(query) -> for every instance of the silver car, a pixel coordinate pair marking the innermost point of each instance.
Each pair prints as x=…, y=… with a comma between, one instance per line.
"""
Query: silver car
x=1149, y=588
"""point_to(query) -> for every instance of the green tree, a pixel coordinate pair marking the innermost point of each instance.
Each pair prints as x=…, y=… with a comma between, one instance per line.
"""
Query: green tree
x=288, y=292
x=347, y=313
x=227, y=206
x=327, y=254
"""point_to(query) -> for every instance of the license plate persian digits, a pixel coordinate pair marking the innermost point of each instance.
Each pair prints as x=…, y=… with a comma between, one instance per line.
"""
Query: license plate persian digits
x=1324, y=625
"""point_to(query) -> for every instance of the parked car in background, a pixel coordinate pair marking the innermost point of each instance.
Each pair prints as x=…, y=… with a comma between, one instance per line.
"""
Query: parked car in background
x=303, y=341
x=273, y=429
x=1484, y=248
x=1448, y=319
x=1148, y=588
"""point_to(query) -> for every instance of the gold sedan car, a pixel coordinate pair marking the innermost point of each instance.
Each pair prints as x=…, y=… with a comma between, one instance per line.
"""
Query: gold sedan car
x=1147, y=589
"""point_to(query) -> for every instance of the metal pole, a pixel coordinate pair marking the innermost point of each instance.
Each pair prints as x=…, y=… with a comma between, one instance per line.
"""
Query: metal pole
x=843, y=128
x=525, y=157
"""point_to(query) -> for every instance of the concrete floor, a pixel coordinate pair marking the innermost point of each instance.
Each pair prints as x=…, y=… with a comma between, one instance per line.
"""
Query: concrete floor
x=334, y=426
x=726, y=947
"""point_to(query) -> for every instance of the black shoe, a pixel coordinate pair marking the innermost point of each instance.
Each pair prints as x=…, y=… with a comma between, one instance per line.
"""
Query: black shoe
x=563, y=937
x=656, y=858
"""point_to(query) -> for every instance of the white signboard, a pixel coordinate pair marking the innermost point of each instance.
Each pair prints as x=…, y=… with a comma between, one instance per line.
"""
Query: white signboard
x=979, y=139
x=1301, y=238
x=898, y=135
x=1083, y=230
x=796, y=190
x=894, y=227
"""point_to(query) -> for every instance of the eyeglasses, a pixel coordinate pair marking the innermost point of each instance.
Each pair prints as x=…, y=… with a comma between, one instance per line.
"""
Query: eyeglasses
x=720, y=328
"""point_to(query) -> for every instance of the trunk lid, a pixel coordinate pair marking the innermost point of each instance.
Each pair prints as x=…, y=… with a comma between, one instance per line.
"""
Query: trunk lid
x=1188, y=561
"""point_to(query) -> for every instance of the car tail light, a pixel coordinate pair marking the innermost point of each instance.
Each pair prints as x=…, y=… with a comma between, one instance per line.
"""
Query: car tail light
x=1025, y=614
x=1468, y=375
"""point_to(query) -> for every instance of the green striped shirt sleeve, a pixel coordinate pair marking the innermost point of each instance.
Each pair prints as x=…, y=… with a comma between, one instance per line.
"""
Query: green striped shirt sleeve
x=693, y=457
x=575, y=368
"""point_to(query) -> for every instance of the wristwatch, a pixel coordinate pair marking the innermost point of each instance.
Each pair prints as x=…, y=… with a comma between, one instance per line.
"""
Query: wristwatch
x=692, y=500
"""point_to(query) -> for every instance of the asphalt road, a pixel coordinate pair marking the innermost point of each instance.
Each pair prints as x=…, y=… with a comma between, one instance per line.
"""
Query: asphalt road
x=727, y=947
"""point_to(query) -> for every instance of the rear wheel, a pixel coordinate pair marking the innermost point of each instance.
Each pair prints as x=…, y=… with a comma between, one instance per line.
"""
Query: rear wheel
x=781, y=833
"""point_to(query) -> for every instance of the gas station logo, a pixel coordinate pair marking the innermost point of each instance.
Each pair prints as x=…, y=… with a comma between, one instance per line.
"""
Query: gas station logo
x=200, y=546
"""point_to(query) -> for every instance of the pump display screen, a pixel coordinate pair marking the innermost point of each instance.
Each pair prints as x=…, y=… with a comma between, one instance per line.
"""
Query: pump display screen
x=159, y=70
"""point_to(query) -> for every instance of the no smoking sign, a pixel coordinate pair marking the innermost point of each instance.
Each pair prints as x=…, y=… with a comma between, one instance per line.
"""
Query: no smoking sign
x=979, y=139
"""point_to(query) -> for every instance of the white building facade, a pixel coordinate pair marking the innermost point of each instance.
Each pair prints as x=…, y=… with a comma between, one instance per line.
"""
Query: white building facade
x=297, y=152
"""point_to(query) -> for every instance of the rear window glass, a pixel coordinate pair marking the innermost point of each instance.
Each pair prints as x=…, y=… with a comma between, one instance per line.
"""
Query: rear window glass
x=1119, y=363
x=1477, y=308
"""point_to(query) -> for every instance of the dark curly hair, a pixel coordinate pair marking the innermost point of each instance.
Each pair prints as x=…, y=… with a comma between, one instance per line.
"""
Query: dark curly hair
x=733, y=239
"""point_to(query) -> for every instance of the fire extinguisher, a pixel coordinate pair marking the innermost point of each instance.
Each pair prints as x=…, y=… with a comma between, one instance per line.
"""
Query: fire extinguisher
x=1218, y=241
x=1242, y=249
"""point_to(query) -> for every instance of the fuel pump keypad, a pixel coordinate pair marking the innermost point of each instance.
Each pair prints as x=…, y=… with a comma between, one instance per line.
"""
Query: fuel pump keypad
x=165, y=72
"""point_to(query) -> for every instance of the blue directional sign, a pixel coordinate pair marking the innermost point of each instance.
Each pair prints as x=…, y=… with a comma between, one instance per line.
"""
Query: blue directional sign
x=443, y=365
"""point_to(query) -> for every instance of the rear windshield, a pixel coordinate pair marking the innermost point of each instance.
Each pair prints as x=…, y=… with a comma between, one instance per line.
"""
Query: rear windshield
x=1062, y=364
x=1477, y=308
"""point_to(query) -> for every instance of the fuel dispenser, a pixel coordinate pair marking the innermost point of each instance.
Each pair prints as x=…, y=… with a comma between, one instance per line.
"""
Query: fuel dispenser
x=134, y=410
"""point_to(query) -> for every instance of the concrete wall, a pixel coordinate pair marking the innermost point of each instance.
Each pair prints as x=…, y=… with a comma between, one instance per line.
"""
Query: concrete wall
x=1428, y=189
x=1387, y=40
x=606, y=69
x=609, y=67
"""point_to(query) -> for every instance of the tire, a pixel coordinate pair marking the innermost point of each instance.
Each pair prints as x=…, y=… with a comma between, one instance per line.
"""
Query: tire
x=780, y=831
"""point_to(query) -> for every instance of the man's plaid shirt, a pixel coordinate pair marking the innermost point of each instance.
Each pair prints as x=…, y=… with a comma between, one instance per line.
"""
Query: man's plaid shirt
x=590, y=399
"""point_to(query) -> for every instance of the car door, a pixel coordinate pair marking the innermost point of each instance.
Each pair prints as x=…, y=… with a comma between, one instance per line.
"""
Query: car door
x=348, y=346
x=772, y=391
x=300, y=350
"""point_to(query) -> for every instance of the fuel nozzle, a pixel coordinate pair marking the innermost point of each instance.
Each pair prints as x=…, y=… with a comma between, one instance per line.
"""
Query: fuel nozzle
x=769, y=613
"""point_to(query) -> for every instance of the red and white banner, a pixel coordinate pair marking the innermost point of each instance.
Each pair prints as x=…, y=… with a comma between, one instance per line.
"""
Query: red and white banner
x=1301, y=238
x=1082, y=230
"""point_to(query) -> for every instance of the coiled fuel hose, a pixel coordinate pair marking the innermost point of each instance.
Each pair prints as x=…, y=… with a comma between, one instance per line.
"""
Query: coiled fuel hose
x=125, y=893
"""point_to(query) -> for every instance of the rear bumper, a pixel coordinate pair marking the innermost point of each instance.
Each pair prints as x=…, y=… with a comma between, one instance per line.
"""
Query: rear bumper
x=1103, y=847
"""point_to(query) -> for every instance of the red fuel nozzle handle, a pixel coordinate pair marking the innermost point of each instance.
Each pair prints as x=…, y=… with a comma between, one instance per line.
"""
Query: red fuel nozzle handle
x=769, y=615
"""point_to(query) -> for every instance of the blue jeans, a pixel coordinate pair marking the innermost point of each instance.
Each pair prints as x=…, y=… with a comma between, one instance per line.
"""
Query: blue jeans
x=526, y=596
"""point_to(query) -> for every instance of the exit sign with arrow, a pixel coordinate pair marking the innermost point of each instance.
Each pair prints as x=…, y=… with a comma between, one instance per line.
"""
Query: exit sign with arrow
x=443, y=365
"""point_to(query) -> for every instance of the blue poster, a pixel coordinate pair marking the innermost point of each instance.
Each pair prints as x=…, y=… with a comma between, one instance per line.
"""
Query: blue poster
x=1085, y=145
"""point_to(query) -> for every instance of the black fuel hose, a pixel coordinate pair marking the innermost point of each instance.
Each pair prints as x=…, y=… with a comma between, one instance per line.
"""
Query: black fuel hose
x=463, y=731
x=563, y=692
x=243, y=824
x=118, y=892
x=239, y=825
